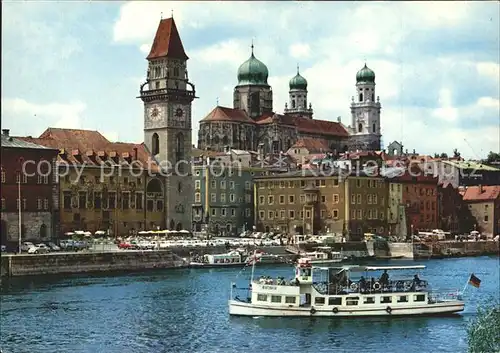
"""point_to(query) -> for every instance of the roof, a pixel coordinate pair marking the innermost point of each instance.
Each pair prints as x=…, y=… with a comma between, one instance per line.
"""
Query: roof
x=167, y=42
x=15, y=142
x=482, y=193
x=312, y=145
x=323, y=127
x=471, y=165
x=228, y=114
x=90, y=147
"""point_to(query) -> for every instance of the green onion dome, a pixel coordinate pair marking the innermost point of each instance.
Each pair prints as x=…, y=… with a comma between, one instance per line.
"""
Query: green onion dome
x=298, y=82
x=365, y=75
x=253, y=72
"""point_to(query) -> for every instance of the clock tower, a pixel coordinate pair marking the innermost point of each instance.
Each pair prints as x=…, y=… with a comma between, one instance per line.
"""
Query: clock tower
x=167, y=95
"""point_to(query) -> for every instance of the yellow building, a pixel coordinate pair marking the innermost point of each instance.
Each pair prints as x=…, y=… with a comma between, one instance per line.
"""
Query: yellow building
x=306, y=202
x=106, y=186
x=396, y=218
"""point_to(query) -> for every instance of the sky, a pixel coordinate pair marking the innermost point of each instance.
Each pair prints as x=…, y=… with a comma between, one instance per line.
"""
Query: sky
x=80, y=64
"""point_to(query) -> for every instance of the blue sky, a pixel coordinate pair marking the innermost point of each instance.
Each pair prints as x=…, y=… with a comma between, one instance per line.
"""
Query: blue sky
x=80, y=64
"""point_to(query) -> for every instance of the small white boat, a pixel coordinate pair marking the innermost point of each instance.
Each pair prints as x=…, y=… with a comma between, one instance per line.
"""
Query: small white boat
x=323, y=258
x=232, y=258
x=341, y=291
x=264, y=258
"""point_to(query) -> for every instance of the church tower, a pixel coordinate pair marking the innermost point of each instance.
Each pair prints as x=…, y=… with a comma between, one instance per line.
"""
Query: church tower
x=298, y=97
x=167, y=95
x=365, y=113
x=253, y=94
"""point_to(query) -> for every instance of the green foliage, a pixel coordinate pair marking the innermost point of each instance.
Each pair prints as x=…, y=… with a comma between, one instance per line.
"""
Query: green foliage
x=483, y=332
x=492, y=158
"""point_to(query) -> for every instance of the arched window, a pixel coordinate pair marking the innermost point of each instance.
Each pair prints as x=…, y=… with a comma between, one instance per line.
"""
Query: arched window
x=179, y=146
x=178, y=227
x=293, y=103
x=305, y=103
x=43, y=231
x=373, y=97
x=154, y=185
x=361, y=97
x=155, y=144
x=374, y=127
x=225, y=141
x=360, y=127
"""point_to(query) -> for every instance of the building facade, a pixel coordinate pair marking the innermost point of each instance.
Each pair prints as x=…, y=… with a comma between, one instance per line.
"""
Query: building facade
x=309, y=202
x=112, y=187
x=453, y=213
x=167, y=95
x=484, y=204
x=396, y=213
x=252, y=121
x=28, y=169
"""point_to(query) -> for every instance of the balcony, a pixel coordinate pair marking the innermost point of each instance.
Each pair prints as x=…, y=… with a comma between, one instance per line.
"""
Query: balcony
x=151, y=94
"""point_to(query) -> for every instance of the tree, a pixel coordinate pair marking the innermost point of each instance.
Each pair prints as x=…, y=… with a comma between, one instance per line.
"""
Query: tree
x=483, y=331
x=444, y=155
x=492, y=157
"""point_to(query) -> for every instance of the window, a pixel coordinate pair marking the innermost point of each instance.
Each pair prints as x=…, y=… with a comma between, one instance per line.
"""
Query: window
x=291, y=214
x=222, y=197
x=3, y=176
x=282, y=184
x=233, y=212
x=302, y=183
x=302, y=199
x=308, y=214
x=322, y=183
x=270, y=200
x=351, y=301
x=385, y=300
x=335, y=198
x=3, y=204
x=262, y=199
x=138, y=201
x=97, y=200
x=335, y=301
x=25, y=204
x=419, y=298
x=353, y=214
x=290, y=300
x=282, y=214
x=282, y=199
x=213, y=184
x=214, y=211
x=155, y=142
x=222, y=184
x=270, y=214
x=39, y=179
x=231, y=184
x=248, y=212
x=335, y=214
x=262, y=297
x=486, y=218
x=275, y=298
x=248, y=186
x=82, y=200
x=223, y=212
x=112, y=200
x=291, y=199
x=319, y=300
x=150, y=205
x=360, y=215
x=358, y=198
x=197, y=184
x=353, y=199
x=335, y=182
x=262, y=214
x=358, y=183
x=25, y=178
x=323, y=214
x=126, y=200
x=67, y=200
x=213, y=197
x=290, y=184
x=159, y=206
x=248, y=199
x=369, y=199
x=39, y=204
x=197, y=197
x=369, y=300
x=375, y=199
x=402, y=299
x=323, y=198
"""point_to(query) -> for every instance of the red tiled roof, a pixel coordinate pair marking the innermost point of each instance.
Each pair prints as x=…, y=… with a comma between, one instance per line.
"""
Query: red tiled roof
x=322, y=127
x=228, y=114
x=312, y=145
x=482, y=193
x=269, y=118
x=167, y=42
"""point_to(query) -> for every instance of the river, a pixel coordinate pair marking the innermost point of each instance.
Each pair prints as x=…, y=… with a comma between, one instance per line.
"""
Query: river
x=186, y=311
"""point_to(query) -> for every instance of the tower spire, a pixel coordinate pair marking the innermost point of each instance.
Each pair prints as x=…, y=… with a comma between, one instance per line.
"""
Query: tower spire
x=297, y=68
x=252, y=46
x=161, y=15
x=172, y=13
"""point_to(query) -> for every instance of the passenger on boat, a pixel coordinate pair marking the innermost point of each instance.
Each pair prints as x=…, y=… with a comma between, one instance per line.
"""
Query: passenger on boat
x=384, y=279
x=362, y=284
x=416, y=283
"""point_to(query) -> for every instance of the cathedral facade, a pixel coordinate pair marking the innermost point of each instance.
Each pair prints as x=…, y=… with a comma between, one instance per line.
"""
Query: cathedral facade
x=252, y=124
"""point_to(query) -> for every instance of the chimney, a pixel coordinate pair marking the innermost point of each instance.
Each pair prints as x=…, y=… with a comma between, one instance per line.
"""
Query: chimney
x=135, y=153
x=5, y=132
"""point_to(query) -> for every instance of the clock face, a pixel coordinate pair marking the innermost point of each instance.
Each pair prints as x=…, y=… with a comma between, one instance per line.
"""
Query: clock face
x=179, y=113
x=155, y=113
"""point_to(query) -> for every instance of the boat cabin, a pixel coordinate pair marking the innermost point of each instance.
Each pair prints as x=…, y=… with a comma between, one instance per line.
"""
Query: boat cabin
x=230, y=257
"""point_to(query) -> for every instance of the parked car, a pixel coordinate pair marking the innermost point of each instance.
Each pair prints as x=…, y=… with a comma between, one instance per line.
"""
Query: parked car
x=53, y=247
x=27, y=245
x=3, y=248
x=39, y=249
x=125, y=245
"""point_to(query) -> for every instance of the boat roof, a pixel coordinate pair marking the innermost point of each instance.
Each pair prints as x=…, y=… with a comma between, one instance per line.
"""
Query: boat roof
x=358, y=268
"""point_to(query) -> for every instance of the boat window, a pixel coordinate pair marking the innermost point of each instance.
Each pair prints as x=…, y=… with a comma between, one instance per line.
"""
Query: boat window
x=290, y=300
x=275, y=298
x=385, y=300
x=262, y=297
x=334, y=301
x=351, y=301
x=419, y=298
x=369, y=300
x=402, y=299
x=319, y=300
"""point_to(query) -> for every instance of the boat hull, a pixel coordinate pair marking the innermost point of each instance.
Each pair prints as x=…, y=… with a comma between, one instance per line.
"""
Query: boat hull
x=238, y=308
x=207, y=265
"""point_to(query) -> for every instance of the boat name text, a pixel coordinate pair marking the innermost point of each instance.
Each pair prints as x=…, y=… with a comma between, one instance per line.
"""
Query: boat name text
x=270, y=287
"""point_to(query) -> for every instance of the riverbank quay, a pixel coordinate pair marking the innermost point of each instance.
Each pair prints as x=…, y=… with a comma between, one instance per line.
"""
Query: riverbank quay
x=17, y=265
x=447, y=249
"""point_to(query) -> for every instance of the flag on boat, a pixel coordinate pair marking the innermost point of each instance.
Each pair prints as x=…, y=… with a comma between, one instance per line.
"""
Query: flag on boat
x=253, y=259
x=474, y=281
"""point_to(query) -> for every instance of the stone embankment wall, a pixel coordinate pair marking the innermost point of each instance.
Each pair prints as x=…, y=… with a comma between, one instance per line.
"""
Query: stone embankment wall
x=66, y=263
x=456, y=249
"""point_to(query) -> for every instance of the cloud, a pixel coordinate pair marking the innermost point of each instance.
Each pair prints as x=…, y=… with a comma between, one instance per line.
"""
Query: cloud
x=300, y=50
x=62, y=115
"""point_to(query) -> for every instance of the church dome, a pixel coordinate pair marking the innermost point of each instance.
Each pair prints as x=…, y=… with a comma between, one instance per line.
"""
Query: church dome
x=298, y=82
x=253, y=72
x=365, y=75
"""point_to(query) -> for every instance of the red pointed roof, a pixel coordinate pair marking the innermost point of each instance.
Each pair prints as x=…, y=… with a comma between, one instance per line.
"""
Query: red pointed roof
x=228, y=114
x=167, y=42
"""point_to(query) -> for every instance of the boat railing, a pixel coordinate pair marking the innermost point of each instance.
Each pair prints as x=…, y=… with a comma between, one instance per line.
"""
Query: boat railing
x=371, y=287
x=438, y=296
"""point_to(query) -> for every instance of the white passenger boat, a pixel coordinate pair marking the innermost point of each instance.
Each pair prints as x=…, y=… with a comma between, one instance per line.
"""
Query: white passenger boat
x=232, y=258
x=323, y=257
x=344, y=291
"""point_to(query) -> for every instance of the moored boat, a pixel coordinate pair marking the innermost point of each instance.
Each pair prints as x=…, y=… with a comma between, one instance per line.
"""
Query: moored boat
x=342, y=291
x=230, y=259
x=323, y=257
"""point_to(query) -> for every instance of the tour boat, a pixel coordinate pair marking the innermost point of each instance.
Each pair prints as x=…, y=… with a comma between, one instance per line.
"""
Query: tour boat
x=323, y=258
x=265, y=258
x=232, y=258
x=343, y=291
